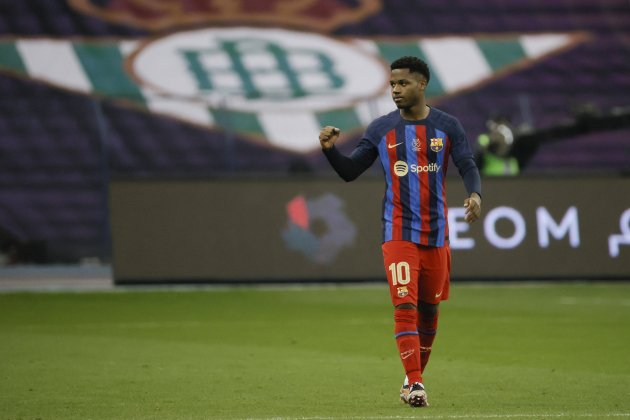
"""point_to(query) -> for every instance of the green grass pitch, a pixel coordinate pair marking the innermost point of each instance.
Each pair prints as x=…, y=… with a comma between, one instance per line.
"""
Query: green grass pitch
x=502, y=351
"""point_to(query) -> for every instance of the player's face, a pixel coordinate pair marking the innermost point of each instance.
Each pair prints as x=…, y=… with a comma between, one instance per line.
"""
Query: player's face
x=407, y=88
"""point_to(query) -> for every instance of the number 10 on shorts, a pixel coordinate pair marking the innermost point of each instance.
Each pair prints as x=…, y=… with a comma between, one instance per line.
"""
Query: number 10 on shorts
x=401, y=274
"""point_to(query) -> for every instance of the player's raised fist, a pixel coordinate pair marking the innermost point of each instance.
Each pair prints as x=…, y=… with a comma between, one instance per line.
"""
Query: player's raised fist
x=328, y=136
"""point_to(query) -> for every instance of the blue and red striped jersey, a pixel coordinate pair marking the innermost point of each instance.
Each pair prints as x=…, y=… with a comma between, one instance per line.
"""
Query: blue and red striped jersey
x=414, y=156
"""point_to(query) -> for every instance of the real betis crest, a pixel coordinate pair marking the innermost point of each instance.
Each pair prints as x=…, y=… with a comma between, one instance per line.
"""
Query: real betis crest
x=258, y=70
x=274, y=86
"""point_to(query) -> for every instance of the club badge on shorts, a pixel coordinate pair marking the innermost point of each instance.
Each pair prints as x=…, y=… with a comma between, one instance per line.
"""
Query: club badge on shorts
x=402, y=291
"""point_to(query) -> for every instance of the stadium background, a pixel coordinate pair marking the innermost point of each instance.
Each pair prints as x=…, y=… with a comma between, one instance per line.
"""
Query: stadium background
x=112, y=166
x=80, y=113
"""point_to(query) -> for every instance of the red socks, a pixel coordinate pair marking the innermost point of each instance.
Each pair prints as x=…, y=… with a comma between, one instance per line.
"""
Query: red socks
x=405, y=327
x=427, y=327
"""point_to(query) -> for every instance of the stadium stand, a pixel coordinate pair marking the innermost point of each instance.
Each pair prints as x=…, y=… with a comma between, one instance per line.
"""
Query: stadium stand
x=58, y=149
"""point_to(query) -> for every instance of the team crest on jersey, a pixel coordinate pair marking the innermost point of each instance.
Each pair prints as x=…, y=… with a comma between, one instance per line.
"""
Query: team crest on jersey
x=437, y=144
x=402, y=291
x=417, y=144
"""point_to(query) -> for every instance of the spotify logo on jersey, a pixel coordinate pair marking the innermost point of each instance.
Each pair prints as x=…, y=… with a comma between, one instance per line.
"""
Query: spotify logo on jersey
x=401, y=168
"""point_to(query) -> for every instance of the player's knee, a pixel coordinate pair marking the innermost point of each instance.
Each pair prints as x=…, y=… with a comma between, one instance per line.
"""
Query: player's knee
x=428, y=309
x=405, y=306
x=406, y=317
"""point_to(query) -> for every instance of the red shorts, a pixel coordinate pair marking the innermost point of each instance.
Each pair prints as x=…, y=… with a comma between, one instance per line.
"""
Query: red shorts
x=416, y=272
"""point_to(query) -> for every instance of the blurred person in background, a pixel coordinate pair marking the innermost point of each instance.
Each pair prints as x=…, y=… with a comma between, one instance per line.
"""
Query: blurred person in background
x=494, y=155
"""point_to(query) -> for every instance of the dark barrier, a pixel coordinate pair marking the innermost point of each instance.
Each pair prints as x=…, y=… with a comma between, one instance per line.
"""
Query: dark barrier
x=325, y=230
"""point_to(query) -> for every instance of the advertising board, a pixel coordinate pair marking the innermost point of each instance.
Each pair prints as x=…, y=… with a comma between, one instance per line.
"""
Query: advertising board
x=327, y=230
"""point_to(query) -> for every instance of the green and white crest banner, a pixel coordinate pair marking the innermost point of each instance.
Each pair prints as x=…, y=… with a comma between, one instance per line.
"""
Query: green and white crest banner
x=272, y=85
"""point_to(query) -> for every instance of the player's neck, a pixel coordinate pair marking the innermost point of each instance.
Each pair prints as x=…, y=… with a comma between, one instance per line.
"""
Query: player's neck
x=416, y=112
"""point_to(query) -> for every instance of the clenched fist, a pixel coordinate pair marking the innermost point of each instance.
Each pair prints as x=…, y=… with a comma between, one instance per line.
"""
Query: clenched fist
x=328, y=136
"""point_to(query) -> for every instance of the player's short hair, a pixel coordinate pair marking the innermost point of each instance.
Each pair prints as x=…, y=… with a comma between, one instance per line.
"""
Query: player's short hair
x=414, y=64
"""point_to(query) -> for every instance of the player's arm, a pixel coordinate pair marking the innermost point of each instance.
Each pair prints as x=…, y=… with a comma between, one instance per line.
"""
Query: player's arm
x=348, y=167
x=465, y=162
x=472, y=182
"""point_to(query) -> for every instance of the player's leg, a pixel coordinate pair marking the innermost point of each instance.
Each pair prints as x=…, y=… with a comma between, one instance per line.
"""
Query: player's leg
x=407, y=340
x=428, y=314
x=401, y=265
x=434, y=287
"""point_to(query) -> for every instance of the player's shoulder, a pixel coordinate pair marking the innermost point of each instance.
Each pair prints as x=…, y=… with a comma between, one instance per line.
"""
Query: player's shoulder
x=444, y=120
x=388, y=120
x=440, y=117
x=381, y=125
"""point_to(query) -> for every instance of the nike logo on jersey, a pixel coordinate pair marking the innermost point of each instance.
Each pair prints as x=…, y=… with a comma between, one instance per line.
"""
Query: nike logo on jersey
x=437, y=295
x=391, y=146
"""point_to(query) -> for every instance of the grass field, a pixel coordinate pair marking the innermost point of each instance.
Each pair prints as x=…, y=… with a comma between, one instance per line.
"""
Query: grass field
x=506, y=351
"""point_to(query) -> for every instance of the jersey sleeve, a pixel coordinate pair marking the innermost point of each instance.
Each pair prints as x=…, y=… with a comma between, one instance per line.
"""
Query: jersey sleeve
x=350, y=167
x=464, y=160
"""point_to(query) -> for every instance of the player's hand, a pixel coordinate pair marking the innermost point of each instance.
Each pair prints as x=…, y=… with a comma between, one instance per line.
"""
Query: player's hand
x=328, y=136
x=473, y=207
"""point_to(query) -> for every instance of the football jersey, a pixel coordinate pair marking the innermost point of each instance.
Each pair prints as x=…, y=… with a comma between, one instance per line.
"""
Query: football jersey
x=414, y=156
